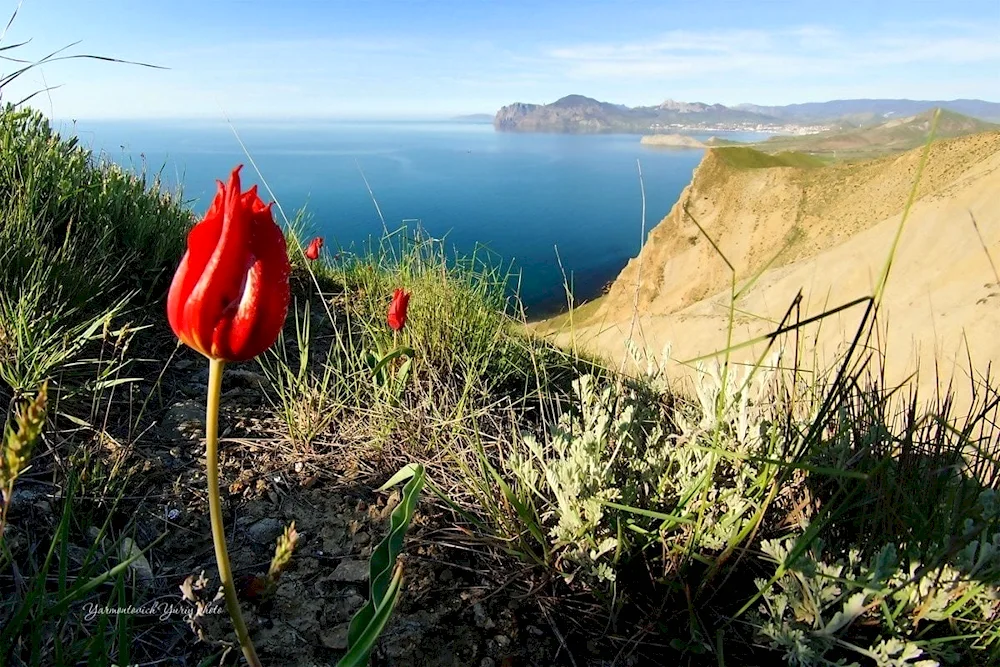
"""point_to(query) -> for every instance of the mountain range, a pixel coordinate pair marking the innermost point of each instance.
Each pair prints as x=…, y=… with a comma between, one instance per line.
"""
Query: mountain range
x=580, y=114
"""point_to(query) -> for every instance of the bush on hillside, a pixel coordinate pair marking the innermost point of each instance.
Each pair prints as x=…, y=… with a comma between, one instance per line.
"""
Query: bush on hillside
x=90, y=230
x=81, y=240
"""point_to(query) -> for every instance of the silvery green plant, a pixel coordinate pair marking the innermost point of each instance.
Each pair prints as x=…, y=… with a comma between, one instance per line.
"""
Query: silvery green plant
x=630, y=466
x=612, y=448
x=814, y=605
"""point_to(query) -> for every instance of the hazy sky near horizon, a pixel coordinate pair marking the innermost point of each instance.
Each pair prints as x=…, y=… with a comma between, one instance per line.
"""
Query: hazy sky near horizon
x=417, y=58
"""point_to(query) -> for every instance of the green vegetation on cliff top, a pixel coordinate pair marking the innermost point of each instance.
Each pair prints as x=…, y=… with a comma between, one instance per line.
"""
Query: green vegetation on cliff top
x=744, y=157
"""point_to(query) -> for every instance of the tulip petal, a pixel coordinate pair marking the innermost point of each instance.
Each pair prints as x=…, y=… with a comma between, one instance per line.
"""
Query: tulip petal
x=222, y=280
x=229, y=297
x=202, y=239
x=256, y=319
x=397, y=309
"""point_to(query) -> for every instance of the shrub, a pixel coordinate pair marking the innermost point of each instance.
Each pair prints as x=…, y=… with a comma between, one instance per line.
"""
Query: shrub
x=630, y=469
x=98, y=230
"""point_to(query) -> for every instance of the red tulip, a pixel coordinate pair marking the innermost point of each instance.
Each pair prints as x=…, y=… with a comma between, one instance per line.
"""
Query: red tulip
x=230, y=294
x=397, y=309
x=312, y=251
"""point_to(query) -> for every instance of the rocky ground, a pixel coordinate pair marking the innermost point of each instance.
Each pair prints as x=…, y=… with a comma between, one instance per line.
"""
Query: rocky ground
x=453, y=612
x=463, y=602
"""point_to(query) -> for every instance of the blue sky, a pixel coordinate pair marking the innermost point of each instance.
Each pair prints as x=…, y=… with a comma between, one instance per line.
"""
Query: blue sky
x=417, y=58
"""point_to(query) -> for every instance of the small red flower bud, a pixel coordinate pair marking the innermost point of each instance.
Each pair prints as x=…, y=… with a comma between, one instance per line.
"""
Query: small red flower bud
x=229, y=297
x=312, y=251
x=397, y=309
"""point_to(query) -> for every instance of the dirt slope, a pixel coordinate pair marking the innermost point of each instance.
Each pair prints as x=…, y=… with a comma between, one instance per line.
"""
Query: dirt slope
x=826, y=231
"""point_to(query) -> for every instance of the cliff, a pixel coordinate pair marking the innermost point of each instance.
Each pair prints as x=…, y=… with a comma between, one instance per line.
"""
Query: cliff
x=826, y=231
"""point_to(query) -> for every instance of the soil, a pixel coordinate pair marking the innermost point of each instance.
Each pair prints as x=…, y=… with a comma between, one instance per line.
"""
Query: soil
x=450, y=614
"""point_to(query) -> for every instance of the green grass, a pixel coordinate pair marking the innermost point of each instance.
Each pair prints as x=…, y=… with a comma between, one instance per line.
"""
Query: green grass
x=81, y=242
x=89, y=234
x=737, y=524
x=743, y=157
x=84, y=244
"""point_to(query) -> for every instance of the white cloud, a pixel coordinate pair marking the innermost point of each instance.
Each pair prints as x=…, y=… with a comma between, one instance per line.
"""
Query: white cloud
x=791, y=55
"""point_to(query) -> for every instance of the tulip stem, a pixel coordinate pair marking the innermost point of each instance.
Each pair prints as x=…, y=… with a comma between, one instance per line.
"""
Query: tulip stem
x=215, y=369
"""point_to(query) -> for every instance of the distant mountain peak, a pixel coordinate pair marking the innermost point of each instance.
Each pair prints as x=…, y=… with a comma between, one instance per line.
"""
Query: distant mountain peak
x=575, y=100
x=682, y=107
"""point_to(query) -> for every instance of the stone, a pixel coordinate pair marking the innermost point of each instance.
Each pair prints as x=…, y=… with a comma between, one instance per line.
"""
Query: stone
x=129, y=550
x=482, y=619
x=183, y=364
x=238, y=377
x=185, y=420
x=333, y=540
x=353, y=602
x=351, y=570
x=265, y=531
x=336, y=638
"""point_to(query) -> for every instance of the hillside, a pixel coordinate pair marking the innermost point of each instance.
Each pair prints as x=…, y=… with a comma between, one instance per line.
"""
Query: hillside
x=896, y=135
x=826, y=231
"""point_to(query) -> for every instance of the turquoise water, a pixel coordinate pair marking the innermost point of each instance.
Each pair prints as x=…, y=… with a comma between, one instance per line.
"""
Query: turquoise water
x=523, y=196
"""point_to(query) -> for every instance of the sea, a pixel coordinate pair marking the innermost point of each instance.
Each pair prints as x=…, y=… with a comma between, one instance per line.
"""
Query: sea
x=556, y=209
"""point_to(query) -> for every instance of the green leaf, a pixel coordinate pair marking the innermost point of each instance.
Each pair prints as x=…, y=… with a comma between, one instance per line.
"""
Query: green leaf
x=406, y=472
x=384, y=575
x=358, y=651
x=395, y=354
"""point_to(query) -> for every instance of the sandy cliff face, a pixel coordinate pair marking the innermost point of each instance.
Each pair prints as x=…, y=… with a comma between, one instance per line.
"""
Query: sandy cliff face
x=776, y=215
x=826, y=231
